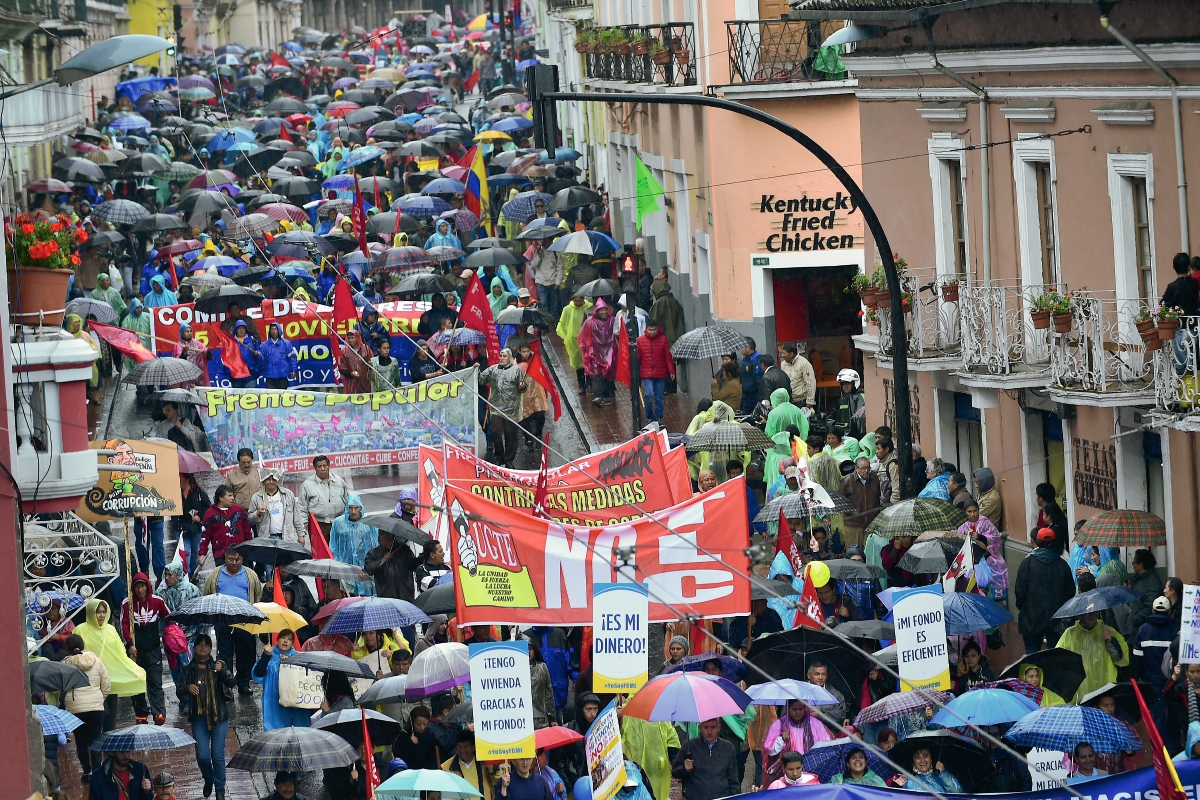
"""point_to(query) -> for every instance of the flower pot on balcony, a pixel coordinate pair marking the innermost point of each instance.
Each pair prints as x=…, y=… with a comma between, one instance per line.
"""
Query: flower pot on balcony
x=1146, y=328
x=1166, y=329
x=662, y=58
x=623, y=49
x=35, y=289
x=640, y=48
x=684, y=57
x=906, y=307
x=883, y=298
x=1153, y=343
x=1062, y=322
x=867, y=296
x=950, y=292
x=1041, y=320
x=581, y=47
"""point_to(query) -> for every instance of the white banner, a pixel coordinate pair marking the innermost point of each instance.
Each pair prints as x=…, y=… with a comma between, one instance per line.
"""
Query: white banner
x=1046, y=769
x=921, y=638
x=1189, y=630
x=502, y=700
x=620, y=622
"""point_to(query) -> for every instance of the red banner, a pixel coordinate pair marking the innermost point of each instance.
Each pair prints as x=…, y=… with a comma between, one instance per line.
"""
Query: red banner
x=511, y=568
x=125, y=342
x=231, y=354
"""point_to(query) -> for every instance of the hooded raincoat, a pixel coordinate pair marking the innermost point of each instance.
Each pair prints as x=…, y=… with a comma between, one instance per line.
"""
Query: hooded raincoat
x=598, y=343
x=783, y=450
x=266, y=672
x=784, y=413
x=498, y=302
x=126, y=677
x=279, y=358
x=138, y=321
x=443, y=237
x=569, y=324
x=155, y=298
x=998, y=585
x=350, y=542
x=1099, y=665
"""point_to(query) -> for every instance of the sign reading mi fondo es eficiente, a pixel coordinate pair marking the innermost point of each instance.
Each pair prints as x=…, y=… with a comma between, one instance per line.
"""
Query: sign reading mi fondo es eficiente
x=808, y=222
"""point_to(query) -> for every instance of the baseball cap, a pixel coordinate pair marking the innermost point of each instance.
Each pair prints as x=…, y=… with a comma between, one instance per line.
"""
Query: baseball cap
x=1045, y=535
x=1162, y=604
x=522, y=292
x=791, y=472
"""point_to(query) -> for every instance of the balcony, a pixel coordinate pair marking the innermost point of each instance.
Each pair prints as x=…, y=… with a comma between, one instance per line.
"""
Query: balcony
x=775, y=51
x=40, y=115
x=1001, y=348
x=1177, y=378
x=1102, y=360
x=566, y=5
x=63, y=556
x=932, y=323
x=667, y=56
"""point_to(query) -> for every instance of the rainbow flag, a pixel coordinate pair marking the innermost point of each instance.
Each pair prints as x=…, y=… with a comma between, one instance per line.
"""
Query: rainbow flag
x=476, y=198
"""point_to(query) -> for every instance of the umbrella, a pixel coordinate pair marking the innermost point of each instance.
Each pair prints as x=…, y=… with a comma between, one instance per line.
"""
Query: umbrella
x=561, y=154
x=81, y=169
x=984, y=707
x=397, y=526
x=279, y=618
x=1022, y=688
x=438, y=668
x=387, y=222
x=55, y=676
x=826, y=759
x=252, y=162
x=282, y=211
x=348, y=724
x=207, y=281
x=845, y=569
x=374, y=614
x=1122, y=694
x=328, y=610
x=361, y=156
x=210, y=179
x=443, y=186
x=87, y=307
x=911, y=517
x=247, y=276
x=386, y=690
x=216, y=609
x=804, y=503
x=163, y=371
x=507, y=99
x=437, y=599
x=177, y=171
x=276, y=552
x=686, y=697
x=588, y=243
x=56, y=721
x=899, y=704
x=541, y=231
x=47, y=185
x=293, y=750
x=885, y=657
x=158, y=223
x=1063, y=727
x=781, y=692
x=415, y=782
x=493, y=241
x=218, y=302
x=205, y=202
x=1096, y=600
x=729, y=437
x=142, y=165
x=142, y=737
x=293, y=186
x=771, y=588
x=191, y=463
x=445, y=253
x=523, y=316
x=251, y=225
x=285, y=105
x=100, y=238
x=403, y=259
x=731, y=668
x=555, y=736
x=601, y=288
x=708, y=342
x=332, y=662
x=1062, y=670
x=424, y=283
x=867, y=629
x=119, y=212
x=1124, y=527
x=420, y=205
x=925, y=557
x=327, y=568
x=420, y=148
x=492, y=257
x=789, y=654
x=968, y=613
x=964, y=757
x=573, y=197
x=520, y=208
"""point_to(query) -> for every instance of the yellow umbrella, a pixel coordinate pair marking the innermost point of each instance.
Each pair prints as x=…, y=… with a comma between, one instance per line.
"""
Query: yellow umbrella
x=388, y=73
x=279, y=619
x=478, y=24
x=493, y=136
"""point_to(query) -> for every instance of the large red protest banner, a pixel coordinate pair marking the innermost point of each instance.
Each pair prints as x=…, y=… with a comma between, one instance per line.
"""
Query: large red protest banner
x=513, y=568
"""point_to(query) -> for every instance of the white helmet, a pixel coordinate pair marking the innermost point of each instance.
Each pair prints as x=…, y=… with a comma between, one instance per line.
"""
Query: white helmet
x=849, y=376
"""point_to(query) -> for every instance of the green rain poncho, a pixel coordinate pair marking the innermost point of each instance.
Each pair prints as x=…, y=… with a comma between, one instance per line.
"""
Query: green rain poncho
x=128, y=679
x=783, y=450
x=569, y=324
x=784, y=413
x=720, y=412
x=646, y=744
x=823, y=469
x=139, y=323
x=1098, y=665
x=498, y=302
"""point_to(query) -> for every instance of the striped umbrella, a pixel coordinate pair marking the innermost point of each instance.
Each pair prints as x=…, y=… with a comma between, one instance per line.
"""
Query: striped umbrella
x=373, y=614
x=404, y=259
x=439, y=668
x=293, y=750
x=212, y=609
x=520, y=208
x=1063, y=727
x=56, y=721
x=282, y=211
x=1125, y=527
x=1034, y=693
x=119, y=212
x=686, y=697
x=826, y=759
x=141, y=738
x=251, y=225
x=900, y=703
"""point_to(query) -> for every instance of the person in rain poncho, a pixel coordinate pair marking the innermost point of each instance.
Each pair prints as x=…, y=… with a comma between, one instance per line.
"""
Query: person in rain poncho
x=569, y=323
x=703, y=407
x=719, y=414
x=329, y=167
x=105, y=293
x=194, y=351
x=598, y=343
x=938, y=488
x=984, y=533
x=266, y=673
x=1034, y=676
x=1192, y=748
x=350, y=539
x=669, y=313
x=498, y=295
x=101, y=638
x=928, y=775
x=772, y=471
x=797, y=731
x=443, y=237
x=160, y=295
x=822, y=467
x=1090, y=558
x=784, y=413
x=1102, y=649
x=175, y=591
x=635, y=781
x=138, y=321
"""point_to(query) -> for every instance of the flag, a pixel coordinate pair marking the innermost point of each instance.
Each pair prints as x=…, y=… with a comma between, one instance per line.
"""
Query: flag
x=624, y=374
x=358, y=215
x=319, y=548
x=476, y=197
x=468, y=85
x=1169, y=787
x=125, y=342
x=344, y=311
x=648, y=190
x=468, y=158
x=371, y=778
x=278, y=599
x=808, y=610
x=231, y=353
x=537, y=370
x=284, y=136
x=540, y=494
x=476, y=314
x=279, y=61
x=962, y=565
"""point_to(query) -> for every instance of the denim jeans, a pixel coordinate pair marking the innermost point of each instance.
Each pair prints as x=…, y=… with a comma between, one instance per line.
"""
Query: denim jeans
x=191, y=546
x=210, y=750
x=550, y=298
x=653, y=391
x=150, y=554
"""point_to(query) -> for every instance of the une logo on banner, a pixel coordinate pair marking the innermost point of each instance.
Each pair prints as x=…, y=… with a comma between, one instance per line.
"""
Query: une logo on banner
x=1189, y=632
x=921, y=638
x=502, y=699
x=620, y=622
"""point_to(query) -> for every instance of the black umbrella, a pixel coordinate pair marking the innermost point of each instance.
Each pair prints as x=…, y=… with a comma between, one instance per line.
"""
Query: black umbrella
x=295, y=187
x=598, y=288
x=397, y=526
x=276, y=552
x=419, y=148
x=770, y=588
x=788, y=655
x=327, y=568
x=424, y=283
x=495, y=241
x=492, y=257
x=845, y=569
x=55, y=676
x=201, y=201
x=573, y=197
x=524, y=315
x=348, y=724
x=341, y=241
x=217, y=301
x=966, y=759
x=255, y=161
x=867, y=629
x=331, y=662
x=1062, y=670
x=100, y=238
x=385, y=222
x=248, y=276
x=286, y=105
x=368, y=185
x=141, y=165
x=1122, y=694
x=158, y=223
x=1096, y=600
x=217, y=609
x=300, y=244
x=925, y=557
x=437, y=600
x=287, y=83
x=80, y=169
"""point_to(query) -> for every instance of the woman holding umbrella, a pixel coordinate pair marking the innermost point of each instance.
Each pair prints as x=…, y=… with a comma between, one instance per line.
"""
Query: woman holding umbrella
x=208, y=684
x=857, y=772
x=796, y=731
x=266, y=673
x=928, y=776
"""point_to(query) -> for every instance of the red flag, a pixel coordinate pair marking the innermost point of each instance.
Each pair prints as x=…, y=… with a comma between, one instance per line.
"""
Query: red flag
x=808, y=611
x=541, y=493
x=359, y=217
x=319, y=548
x=476, y=314
x=467, y=159
x=1169, y=787
x=284, y=136
x=372, y=774
x=279, y=61
x=231, y=354
x=344, y=311
x=624, y=370
x=127, y=343
x=469, y=84
x=279, y=599
x=537, y=370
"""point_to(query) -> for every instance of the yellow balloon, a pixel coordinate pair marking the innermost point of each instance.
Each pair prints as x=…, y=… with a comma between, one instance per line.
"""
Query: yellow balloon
x=818, y=573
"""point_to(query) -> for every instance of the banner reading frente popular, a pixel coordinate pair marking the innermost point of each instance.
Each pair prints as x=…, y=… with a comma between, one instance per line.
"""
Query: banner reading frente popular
x=513, y=568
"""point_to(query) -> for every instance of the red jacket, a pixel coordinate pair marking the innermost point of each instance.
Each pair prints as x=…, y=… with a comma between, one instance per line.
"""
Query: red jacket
x=148, y=614
x=223, y=527
x=654, y=357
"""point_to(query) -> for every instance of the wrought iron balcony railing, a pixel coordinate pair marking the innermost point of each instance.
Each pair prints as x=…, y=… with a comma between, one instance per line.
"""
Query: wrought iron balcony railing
x=931, y=321
x=1097, y=350
x=1177, y=377
x=999, y=336
x=779, y=50
x=660, y=54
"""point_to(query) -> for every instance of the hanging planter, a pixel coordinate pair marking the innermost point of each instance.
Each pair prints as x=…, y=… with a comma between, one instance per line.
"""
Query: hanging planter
x=1063, y=322
x=684, y=57
x=868, y=295
x=1166, y=329
x=1041, y=320
x=950, y=292
x=640, y=47
x=1153, y=343
x=883, y=298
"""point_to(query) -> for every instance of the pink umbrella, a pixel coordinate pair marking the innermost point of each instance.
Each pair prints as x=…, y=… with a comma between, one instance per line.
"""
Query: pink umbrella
x=457, y=173
x=84, y=147
x=191, y=463
x=687, y=697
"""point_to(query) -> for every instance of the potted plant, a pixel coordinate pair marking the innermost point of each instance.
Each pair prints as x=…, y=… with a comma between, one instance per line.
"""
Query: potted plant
x=638, y=45
x=584, y=40
x=906, y=302
x=1061, y=313
x=1040, y=313
x=609, y=39
x=950, y=290
x=659, y=53
x=1145, y=324
x=871, y=316
x=40, y=265
x=682, y=56
x=861, y=285
x=1168, y=321
x=620, y=42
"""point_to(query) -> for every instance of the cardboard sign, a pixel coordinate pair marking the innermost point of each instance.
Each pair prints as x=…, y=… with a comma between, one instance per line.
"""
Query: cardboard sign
x=1046, y=768
x=921, y=638
x=605, y=755
x=1189, y=630
x=620, y=622
x=150, y=490
x=502, y=699
x=300, y=687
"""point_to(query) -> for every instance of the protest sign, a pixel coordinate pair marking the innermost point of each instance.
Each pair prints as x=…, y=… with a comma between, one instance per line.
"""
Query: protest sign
x=1046, y=769
x=512, y=568
x=605, y=755
x=287, y=427
x=620, y=622
x=305, y=325
x=921, y=638
x=1189, y=630
x=502, y=700
x=151, y=489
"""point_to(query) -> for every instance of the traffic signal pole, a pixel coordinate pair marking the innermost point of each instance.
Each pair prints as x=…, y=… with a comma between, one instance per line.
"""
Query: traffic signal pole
x=544, y=93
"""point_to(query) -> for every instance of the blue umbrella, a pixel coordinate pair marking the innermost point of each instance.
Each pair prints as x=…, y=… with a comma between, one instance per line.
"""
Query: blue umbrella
x=982, y=707
x=1097, y=600
x=506, y=179
x=219, y=262
x=826, y=759
x=778, y=693
x=296, y=272
x=241, y=147
x=968, y=613
x=129, y=121
x=512, y=124
x=411, y=118
x=529, y=62
x=443, y=186
x=228, y=60
x=560, y=154
x=142, y=737
x=56, y=721
x=41, y=602
x=1063, y=727
x=361, y=156
x=421, y=205
x=339, y=183
x=592, y=243
x=520, y=208
x=293, y=46
x=373, y=614
x=228, y=138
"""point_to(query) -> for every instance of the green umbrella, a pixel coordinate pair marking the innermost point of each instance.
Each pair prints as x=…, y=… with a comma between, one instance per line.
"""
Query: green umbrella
x=914, y=517
x=412, y=782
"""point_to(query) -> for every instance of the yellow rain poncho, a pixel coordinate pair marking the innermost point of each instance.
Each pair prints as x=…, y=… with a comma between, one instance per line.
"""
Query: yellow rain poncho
x=128, y=679
x=646, y=744
x=1098, y=663
x=569, y=325
x=1049, y=698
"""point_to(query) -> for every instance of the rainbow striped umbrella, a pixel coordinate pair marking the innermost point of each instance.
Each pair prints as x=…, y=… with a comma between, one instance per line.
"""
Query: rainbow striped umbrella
x=687, y=697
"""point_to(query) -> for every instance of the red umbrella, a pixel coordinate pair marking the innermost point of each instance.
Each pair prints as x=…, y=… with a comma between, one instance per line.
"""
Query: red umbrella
x=329, y=610
x=341, y=108
x=182, y=246
x=282, y=211
x=555, y=736
x=48, y=185
x=191, y=463
x=298, y=119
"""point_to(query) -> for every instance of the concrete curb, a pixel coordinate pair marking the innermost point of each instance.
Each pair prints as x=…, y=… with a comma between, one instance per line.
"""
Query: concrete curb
x=572, y=399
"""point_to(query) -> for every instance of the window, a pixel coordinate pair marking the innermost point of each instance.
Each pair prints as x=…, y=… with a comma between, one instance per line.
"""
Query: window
x=1046, y=218
x=1036, y=183
x=1141, y=236
x=959, y=218
x=947, y=173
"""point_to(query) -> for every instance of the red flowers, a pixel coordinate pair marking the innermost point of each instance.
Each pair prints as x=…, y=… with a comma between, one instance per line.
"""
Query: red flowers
x=43, y=250
x=27, y=229
x=55, y=227
x=81, y=236
x=75, y=259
